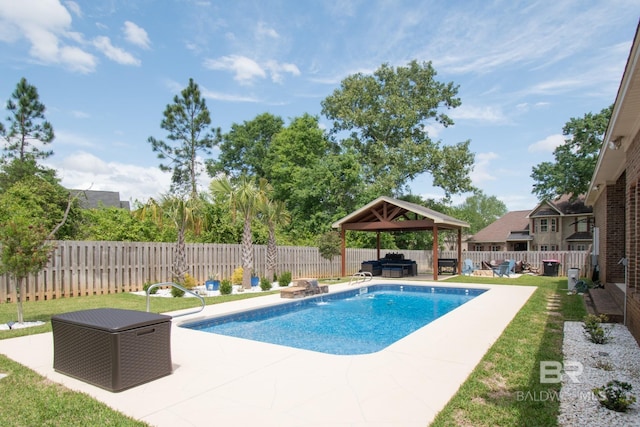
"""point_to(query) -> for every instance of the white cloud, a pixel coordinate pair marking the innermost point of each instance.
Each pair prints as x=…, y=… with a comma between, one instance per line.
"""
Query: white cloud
x=485, y=114
x=77, y=59
x=263, y=31
x=83, y=162
x=74, y=7
x=136, y=35
x=482, y=170
x=547, y=145
x=116, y=54
x=46, y=25
x=245, y=69
x=85, y=171
x=80, y=114
x=433, y=129
x=227, y=97
x=276, y=69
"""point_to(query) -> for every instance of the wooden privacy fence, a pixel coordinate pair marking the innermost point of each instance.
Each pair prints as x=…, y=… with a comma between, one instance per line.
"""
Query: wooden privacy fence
x=79, y=268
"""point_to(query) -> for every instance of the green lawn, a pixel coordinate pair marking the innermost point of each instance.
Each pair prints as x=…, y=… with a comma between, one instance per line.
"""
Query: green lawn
x=505, y=389
x=492, y=395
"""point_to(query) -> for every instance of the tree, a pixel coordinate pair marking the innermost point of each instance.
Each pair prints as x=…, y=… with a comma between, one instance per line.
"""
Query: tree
x=479, y=210
x=244, y=198
x=27, y=125
x=317, y=180
x=273, y=213
x=575, y=160
x=26, y=228
x=386, y=114
x=329, y=245
x=16, y=170
x=244, y=149
x=187, y=122
x=117, y=224
x=184, y=214
x=293, y=150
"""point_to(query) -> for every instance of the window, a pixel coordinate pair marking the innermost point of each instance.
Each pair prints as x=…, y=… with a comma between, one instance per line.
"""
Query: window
x=554, y=247
x=496, y=248
x=553, y=226
x=543, y=226
x=543, y=248
x=583, y=224
x=477, y=248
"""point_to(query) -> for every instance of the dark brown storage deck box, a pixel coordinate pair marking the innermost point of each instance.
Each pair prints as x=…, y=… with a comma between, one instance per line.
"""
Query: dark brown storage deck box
x=112, y=348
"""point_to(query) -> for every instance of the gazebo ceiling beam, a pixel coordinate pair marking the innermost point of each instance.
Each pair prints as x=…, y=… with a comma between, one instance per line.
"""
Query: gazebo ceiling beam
x=390, y=225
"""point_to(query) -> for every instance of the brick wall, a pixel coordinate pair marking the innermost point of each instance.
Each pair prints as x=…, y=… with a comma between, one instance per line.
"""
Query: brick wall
x=633, y=236
x=616, y=231
x=633, y=213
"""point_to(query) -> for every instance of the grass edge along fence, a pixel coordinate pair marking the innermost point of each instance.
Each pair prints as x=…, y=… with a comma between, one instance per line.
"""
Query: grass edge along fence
x=80, y=268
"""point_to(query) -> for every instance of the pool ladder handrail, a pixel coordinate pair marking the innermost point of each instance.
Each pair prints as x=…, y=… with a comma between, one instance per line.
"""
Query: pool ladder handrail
x=182, y=288
x=360, y=276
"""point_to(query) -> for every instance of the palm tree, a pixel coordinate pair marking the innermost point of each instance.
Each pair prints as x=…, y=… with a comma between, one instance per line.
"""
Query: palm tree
x=273, y=213
x=184, y=215
x=245, y=199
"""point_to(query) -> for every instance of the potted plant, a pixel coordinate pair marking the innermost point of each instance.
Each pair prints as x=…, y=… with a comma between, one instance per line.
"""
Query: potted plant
x=255, y=280
x=212, y=284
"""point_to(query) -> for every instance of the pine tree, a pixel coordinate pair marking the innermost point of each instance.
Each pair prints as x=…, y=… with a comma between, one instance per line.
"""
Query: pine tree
x=27, y=125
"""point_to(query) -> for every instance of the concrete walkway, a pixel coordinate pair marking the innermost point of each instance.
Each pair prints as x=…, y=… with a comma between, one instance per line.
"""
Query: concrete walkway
x=227, y=381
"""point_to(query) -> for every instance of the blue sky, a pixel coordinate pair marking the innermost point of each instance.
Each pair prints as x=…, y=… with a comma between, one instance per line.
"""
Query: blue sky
x=107, y=69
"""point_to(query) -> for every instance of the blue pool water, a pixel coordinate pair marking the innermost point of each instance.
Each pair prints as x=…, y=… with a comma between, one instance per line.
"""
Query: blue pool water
x=360, y=321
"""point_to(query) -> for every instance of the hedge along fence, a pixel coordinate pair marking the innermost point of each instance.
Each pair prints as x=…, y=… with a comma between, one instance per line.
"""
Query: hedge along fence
x=79, y=268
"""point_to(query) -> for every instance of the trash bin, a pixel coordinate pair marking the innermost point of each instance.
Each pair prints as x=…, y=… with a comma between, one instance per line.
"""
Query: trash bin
x=574, y=276
x=551, y=267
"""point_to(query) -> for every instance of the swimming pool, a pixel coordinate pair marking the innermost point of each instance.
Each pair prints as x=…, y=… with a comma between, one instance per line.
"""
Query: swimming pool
x=358, y=321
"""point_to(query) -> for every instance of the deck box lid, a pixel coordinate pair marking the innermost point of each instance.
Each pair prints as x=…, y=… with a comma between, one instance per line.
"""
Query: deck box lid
x=111, y=319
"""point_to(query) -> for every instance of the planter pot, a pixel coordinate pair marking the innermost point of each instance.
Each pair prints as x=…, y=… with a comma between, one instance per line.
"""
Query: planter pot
x=212, y=285
x=255, y=281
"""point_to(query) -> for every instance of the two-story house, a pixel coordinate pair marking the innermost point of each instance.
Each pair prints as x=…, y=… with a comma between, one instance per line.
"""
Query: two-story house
x=559, y=225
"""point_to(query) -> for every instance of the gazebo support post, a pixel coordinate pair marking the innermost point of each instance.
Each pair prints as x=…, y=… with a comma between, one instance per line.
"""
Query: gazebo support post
x=459, y=250
x=378, y=243
x=343, y=251
x=435, y=253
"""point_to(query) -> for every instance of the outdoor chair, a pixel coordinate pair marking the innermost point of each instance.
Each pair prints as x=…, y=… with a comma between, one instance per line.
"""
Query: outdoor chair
x=468, y=268
x=502, y=269
x=303, y=288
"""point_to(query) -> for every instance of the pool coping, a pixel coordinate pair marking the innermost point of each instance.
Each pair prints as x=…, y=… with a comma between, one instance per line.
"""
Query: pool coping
x=237, y=382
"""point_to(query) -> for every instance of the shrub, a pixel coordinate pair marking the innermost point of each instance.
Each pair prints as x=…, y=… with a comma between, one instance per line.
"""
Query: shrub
x=147, y=285
x=616, y=395
x=176, y=292
x=226, y=287
x=265, y=284
x=594, y=330
x=189, y=281
x=236, y=277
x=285, y=278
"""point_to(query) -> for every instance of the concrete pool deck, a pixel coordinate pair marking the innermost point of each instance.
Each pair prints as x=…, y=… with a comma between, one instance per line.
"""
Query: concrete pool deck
x=235, y=382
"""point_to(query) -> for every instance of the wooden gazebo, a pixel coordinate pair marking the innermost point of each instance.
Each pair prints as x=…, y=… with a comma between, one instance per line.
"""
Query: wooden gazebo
x=386, y=214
